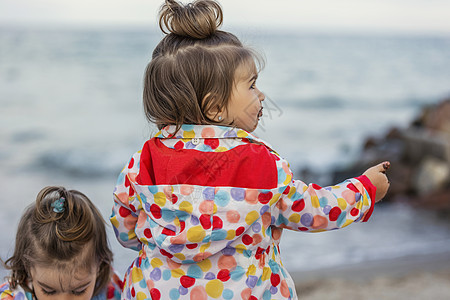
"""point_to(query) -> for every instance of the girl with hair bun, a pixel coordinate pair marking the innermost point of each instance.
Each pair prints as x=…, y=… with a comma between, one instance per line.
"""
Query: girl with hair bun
x=205, y=201
x=61, y=251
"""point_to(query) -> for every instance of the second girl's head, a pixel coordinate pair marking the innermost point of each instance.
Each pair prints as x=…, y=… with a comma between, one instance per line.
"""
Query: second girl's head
x=61, y=247
x=199, y=74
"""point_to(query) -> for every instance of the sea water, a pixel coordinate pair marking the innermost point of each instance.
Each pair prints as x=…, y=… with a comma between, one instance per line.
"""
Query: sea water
x=71, y=114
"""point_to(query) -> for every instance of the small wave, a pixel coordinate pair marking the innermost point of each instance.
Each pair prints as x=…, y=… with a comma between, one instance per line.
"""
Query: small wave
x=79, y=163
x=26, y=136
x=327, y=102
x=334, y=102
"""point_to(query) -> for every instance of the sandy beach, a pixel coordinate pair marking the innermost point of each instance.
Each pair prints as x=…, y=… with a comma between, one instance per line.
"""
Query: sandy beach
x=414, y=277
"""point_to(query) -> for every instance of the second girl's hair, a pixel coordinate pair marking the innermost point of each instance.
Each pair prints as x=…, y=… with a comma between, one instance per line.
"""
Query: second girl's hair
x=192, y=72
x=47, y=237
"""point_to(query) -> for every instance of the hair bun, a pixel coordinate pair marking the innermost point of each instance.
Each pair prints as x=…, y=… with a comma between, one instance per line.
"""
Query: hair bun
x=197, y=20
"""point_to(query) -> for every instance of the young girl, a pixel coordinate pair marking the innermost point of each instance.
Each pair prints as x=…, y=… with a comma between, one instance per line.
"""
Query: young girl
x=61, y=251
x=205, y=201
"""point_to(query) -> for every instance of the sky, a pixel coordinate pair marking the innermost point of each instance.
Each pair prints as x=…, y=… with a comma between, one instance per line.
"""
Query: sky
x=410, y=16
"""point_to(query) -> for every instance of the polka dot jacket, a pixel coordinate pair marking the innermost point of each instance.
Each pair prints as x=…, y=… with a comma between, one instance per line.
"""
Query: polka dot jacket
x=206, y=207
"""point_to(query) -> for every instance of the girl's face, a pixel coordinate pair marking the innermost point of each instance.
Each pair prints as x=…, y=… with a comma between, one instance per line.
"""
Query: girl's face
x=245, y=105
x=52, y=283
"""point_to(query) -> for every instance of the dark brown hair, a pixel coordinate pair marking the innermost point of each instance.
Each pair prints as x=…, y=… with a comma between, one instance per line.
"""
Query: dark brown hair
x=47, y=237
x=192, y=72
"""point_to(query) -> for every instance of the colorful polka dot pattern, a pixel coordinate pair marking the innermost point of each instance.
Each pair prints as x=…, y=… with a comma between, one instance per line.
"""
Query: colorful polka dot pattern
x=201, y=242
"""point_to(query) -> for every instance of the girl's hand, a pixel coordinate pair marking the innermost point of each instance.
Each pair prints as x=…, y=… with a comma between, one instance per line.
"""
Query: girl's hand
x=377, y=175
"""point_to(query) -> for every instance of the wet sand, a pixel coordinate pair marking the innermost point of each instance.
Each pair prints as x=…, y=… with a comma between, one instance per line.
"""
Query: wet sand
x=414, y=277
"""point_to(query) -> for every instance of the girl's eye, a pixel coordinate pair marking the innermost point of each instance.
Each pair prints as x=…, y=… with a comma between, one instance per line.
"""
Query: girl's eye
x=48, y=292
x=253, y=86
x=79, y=293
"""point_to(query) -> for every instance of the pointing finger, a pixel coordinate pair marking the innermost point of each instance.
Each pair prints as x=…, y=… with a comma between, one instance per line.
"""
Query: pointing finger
x=384, y=166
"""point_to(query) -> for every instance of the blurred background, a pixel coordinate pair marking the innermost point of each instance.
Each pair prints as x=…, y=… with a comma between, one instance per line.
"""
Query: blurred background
x=348, y=83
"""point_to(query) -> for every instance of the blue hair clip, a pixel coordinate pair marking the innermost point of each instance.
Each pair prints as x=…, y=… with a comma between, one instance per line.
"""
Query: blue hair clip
x=58, y=205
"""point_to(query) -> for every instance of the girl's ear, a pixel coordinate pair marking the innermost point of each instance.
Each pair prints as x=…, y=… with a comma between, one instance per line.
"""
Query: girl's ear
x=212, y=110
x=216, y=114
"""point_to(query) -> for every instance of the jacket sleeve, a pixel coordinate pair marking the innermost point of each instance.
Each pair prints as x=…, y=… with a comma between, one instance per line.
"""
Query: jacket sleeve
x=126, y=206
x=314, y=208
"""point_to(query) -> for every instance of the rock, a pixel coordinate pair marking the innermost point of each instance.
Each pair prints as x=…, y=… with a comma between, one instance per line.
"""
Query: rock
x=420, y=158
x=436, y=118
x=423, y=142
x=401, y=178
x=436, y=200
x=433, y=174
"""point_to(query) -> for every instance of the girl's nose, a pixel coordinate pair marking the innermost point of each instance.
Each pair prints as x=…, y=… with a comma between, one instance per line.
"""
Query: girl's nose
x=261, y=96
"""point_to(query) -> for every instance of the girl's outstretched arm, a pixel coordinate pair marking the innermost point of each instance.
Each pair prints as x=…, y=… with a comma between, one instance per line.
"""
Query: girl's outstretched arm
x=314, y=208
